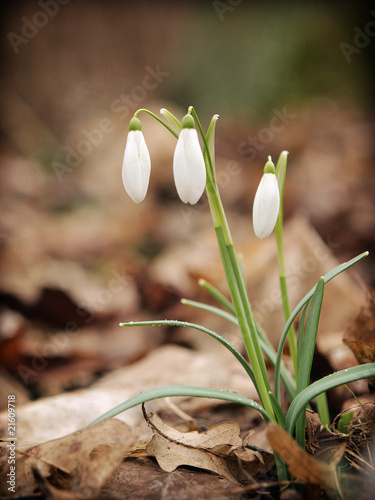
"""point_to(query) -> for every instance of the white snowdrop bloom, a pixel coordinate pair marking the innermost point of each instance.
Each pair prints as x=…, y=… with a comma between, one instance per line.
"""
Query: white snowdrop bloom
x=266, y=203
x=136, y=166
x=189, y=169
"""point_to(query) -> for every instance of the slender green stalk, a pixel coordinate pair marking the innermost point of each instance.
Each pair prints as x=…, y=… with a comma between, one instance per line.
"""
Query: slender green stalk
x=267, y=347
x=323, y=409
x=216, y=294
x=144, y=110
x=281, y=171
x=235, y=280
x=260, y=382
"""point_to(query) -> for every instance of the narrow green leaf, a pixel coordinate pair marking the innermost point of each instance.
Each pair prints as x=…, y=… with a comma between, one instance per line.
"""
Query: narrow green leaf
x=326, y=383
x=281, y=173
x=330, y=275
x=213, y=334
x=309, y=337
x=345, y=421
x=210, y=138
x=208, y=142
x=213, y=309
x=172, y=119
x=301, y=331
x=181, y=390
x=280, y=417
x=307, y=350
x=266, y=345
x=322, y=408
x=217, y=295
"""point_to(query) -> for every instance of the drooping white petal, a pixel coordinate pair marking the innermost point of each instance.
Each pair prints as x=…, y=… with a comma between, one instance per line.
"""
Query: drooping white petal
x=136, y=166
x=266, y=205
x=188, y=167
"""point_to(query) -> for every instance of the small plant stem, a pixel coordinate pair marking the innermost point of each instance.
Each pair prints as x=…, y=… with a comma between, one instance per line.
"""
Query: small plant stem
x=323, y=410
x=144, y=110
x=235, y=280
x=239, y=296
x=284, y=293
x=281, y=173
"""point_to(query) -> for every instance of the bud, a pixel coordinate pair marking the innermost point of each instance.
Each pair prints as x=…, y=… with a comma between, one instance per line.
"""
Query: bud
x=189, y=169
x=266, y=202
x=136, y=166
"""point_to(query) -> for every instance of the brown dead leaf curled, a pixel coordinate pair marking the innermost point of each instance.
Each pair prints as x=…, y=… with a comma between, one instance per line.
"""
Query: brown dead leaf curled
x=206, y=450
x=219, y=449
x=219, y=438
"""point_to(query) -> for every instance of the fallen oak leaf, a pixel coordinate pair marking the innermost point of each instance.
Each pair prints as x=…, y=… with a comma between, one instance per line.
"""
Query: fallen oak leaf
x=68, y=453
x=206, y=450
x=219, y=439
x=91, y=475
x=76, y=465
x=171, y=455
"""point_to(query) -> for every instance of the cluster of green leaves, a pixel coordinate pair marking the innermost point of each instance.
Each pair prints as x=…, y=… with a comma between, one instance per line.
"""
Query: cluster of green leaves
x=301, y=394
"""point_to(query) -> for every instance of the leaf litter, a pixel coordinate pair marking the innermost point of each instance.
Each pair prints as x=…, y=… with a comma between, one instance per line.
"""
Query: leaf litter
x=79, y=463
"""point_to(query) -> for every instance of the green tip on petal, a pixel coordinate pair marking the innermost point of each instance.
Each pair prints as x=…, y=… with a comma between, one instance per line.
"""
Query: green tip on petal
x=135, y=124
x=188, y=122
x=269, y=167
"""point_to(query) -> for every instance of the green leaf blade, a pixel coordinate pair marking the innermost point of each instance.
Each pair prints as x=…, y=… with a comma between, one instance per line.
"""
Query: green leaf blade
x=307, y=349
x=326, y=383
x=203, y=329
x=182, y=390
x=327, y=277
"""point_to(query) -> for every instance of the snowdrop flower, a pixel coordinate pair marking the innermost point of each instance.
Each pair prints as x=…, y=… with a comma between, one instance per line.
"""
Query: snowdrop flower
x=188, y=164
x=266, y=202
x=136, y=166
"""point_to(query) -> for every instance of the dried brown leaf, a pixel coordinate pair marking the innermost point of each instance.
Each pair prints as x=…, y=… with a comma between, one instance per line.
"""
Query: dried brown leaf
x=303, y=466
x=226, y=434
x=207, y=450
x=25, y=466
x=360, y=336
x=79, y=463
x=219, y=450
x=69, y=452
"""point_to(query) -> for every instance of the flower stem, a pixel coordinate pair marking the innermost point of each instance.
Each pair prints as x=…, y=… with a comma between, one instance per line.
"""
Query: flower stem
x=281, y=171
x=238, y=293
x=144, y=110
x=284, y=296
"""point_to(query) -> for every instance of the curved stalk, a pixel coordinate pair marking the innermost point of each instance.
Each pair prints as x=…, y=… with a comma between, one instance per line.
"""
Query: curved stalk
x=235, y=280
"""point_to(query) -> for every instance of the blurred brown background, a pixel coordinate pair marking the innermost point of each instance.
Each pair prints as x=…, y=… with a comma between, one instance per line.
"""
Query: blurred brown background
x=281, y=75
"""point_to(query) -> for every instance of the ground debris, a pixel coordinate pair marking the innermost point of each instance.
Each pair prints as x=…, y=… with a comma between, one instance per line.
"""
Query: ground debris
x=74, y=466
